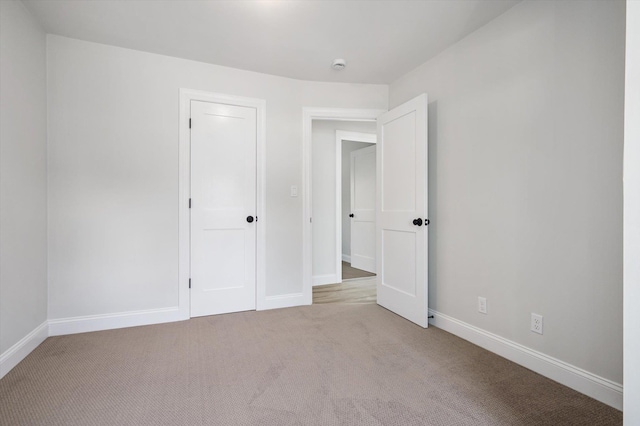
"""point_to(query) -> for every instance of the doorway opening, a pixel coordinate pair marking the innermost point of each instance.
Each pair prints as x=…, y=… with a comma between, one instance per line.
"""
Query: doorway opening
x=311, y=115
x=343, y=184
x=355, y=205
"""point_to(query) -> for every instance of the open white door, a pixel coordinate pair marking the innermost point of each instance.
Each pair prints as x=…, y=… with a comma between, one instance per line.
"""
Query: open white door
x=363, y=209
x=223, y=192
x=401, y=231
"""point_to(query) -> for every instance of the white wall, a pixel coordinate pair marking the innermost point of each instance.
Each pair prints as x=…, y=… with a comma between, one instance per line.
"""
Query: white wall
x=323, y=190
x=525, y=167
x=347, y=148
x=113, y=171
x=23, y=175
x=631, y=219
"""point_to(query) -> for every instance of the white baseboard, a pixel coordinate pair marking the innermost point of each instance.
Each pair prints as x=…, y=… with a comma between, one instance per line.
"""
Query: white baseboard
x=346, y=258
x=283, y=301
x=324, y=279
x=16, y=353
x=596, y=387
x=73, y=325
x=364, y=263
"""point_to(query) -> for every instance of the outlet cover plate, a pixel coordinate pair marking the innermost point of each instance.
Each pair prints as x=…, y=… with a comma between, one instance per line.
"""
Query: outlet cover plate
x=482, y=305
x=536, y=323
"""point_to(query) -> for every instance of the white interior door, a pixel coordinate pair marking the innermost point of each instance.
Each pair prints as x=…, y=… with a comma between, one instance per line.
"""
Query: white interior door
x=363, y=209
x=223, y=206
x=401, y=232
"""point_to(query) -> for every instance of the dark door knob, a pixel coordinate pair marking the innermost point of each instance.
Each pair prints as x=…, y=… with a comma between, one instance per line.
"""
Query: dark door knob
x=351, y=215
x=417, y=222
x=249, y=219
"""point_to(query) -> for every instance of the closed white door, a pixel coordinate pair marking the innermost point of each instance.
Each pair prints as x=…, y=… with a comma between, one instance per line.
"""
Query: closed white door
x=363, y=209
x=401, y=232
x=223, y=208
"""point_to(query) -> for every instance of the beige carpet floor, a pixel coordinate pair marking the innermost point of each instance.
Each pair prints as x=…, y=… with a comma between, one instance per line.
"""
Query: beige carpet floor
x=332, y=364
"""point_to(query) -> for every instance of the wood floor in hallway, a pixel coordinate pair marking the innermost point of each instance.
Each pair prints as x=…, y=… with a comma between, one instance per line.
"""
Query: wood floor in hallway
x=357, y=291
x=349, y=272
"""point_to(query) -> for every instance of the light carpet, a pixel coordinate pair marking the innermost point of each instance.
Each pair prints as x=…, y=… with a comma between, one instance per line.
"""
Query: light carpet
x=333, y=364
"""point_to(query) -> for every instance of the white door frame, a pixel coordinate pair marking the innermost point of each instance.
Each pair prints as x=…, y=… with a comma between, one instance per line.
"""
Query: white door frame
x=308, y=115
x=342, y=136
x=184, y=191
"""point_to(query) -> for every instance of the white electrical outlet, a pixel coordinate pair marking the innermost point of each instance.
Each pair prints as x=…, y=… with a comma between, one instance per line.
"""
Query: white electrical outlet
x=482, y=305
x=536, y=323
x=294, y=191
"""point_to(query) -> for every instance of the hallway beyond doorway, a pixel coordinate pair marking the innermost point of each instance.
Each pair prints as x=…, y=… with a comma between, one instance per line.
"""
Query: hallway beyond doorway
x=357, y=286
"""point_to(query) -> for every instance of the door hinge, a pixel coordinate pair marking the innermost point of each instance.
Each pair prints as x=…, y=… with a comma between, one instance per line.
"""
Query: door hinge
x=189, y=282
x=189, y=123
x=189, y=202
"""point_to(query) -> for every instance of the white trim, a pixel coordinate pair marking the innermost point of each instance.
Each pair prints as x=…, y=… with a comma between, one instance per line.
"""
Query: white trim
x=85, y=324
x=326, y=279
x=350, y=280
x=284, y=301
x=345, y=258
x=596, y=387
x=631, y=227
x=186, y=96
x=308, y=115
x=341, y=136
x=16, y=353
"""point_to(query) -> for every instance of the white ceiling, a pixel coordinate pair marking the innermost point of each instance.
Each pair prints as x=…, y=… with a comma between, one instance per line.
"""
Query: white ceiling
x=381, y=40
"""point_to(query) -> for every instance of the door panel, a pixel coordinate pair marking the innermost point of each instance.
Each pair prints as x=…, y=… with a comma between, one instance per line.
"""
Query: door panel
x=402, y=246
x=225, y=250
x=400, y=275
x=363, y=208
x=399, y=188
x=223, y=194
